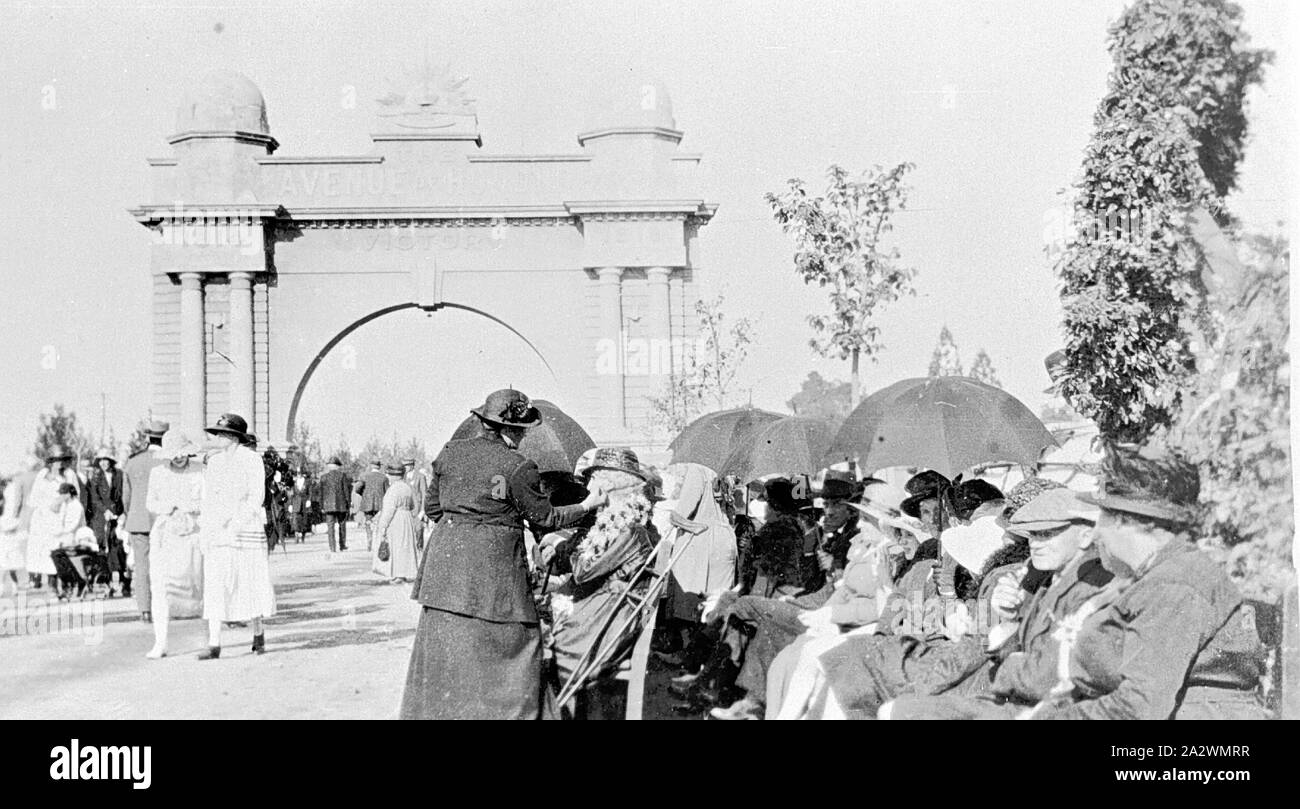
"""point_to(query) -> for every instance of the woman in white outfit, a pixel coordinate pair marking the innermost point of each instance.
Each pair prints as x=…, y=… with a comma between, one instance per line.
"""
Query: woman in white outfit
x=45, y=506
x=397, y=530
x=175, y=562
x=236, y=571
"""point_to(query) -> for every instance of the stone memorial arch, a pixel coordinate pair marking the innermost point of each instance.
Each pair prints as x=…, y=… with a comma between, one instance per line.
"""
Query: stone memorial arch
x=262, y=262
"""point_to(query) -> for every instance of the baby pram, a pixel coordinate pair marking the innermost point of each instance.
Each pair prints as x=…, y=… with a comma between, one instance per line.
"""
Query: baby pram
x=79, y=567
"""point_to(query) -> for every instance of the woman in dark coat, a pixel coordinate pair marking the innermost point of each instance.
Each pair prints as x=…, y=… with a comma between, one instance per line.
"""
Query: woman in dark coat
x=104, y=508
x=478, y=648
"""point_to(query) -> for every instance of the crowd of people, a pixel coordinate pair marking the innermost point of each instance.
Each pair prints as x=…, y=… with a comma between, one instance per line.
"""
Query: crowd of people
x=952, y=599
x=824, y=596
x=829, y=596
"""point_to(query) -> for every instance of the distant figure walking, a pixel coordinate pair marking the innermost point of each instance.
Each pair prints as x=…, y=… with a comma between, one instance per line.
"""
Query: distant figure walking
x=396, y=557
x=371, y=487
x=336, y=502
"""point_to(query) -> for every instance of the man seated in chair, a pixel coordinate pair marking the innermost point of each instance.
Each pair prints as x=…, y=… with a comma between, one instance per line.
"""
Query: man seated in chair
x=595, y=624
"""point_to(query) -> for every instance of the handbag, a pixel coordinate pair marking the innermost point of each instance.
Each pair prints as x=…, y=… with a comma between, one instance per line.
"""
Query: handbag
x=383, y=550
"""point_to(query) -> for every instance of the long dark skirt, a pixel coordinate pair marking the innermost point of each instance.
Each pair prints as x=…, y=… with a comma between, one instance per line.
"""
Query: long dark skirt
x=468, y=668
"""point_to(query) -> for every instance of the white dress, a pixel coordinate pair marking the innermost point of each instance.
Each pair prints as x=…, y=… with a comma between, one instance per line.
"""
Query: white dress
x=48, y=525
x=13, y=545
x=397, y=528
x=236, y=571
x=175, y=561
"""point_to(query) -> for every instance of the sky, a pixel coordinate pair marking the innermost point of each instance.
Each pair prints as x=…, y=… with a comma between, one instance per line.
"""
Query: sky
x=992, y=101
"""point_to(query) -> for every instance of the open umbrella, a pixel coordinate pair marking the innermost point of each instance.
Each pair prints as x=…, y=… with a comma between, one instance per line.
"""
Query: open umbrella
x=711, y=438
x=944, y=423
x=554, y=445
x=792, y=444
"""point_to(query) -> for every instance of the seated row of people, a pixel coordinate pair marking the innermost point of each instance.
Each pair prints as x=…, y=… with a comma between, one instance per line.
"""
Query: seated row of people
x=1044, y=604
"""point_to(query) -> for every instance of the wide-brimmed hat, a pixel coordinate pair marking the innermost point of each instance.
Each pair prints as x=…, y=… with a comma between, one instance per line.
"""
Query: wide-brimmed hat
x=925, y=485
x=104, y=452
x=881, y=500
x=779, y=493
x=619, y=459
x=1052, y=509
x=508, y=408
x=1055, y=365
x=230, y=424
x=838, y=487
x=394, y=468
x=408, y=462
x=176, y=443
x=334, y=461
x=58, y=452
x=1148, y=482
x=156, y=429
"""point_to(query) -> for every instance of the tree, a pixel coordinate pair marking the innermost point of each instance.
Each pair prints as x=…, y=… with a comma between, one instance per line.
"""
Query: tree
x=309, y=454
x=1236, y=423
x=707, y=369
x=837, y=240
x=823, y=398
x=347, y=461
x=395, y=450
x=1168, y=138
x=983, y=370
x=60, y=427
x=945, y=361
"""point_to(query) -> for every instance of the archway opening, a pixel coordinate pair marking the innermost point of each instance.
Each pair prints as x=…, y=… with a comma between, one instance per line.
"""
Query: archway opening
x=412, y=371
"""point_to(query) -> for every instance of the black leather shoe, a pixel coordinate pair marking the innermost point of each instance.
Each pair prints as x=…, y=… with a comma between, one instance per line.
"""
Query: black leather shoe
x=259, y=644
x=212, y=653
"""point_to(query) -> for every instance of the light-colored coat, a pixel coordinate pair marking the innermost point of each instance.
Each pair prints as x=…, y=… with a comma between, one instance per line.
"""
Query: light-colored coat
x=706, y=541
x=135, y=489
x=233, y=487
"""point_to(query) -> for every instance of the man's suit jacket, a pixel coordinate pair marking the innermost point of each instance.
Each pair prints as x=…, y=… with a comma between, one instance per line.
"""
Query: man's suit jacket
x=335, y=492
x=372, y=487
x=135, y=488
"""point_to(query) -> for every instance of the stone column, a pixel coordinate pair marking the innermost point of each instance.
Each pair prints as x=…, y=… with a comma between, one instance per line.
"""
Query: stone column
x=241, y=346
x=611, y=327
x=659, y=328
x=193, y=400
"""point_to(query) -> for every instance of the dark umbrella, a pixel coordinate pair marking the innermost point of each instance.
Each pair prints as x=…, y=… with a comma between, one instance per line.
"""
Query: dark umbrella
x=710, y=439
x=944, y=423
x=555, y=445
x=788, y=445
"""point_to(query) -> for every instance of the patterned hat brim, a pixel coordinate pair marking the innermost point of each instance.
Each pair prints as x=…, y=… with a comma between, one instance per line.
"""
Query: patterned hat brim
x=536, y=414
x=586, y=473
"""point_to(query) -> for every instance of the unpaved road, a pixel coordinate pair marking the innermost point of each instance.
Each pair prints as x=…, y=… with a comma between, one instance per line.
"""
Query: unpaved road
x=337, y=648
